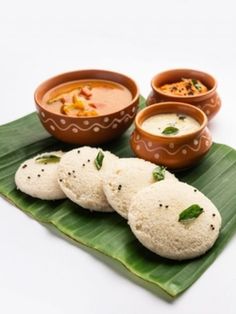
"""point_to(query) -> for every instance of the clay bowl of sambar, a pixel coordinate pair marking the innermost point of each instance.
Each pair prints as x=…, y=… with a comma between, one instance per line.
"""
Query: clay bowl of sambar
x=186, y=85
x=87, y=107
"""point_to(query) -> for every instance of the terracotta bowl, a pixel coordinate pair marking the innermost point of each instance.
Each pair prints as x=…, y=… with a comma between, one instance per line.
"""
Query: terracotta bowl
x=174, y=152
x=87, y=130
x=209, y=102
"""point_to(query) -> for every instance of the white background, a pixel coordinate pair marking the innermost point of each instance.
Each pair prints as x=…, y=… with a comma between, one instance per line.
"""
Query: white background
x=39, y=271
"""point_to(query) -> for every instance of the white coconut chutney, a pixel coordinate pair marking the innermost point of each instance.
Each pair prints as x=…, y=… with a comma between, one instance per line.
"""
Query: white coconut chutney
x=170, y=124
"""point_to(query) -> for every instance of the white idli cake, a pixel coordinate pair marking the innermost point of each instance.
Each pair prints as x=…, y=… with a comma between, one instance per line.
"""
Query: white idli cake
x=127, y=177
x=80, y=175
x=174, y=220
x=37, y=176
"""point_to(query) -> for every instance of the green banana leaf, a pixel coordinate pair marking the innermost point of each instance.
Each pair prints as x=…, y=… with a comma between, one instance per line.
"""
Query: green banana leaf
x=215, y=176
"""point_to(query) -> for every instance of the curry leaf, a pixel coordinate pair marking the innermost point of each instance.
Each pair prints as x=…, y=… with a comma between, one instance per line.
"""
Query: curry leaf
x=191, y=212
x=99, y=160
x=159, y=173
x=169, y=130
x=48, y=159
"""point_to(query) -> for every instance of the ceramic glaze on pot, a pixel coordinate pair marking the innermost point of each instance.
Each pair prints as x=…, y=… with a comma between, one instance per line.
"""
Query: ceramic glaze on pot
x=209, y=101
x=87, y=130
x=175, y=152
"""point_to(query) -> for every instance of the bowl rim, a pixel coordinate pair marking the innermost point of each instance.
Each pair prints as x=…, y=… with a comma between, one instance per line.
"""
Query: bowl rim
x=183, y=97
x=162, y=105
x=42, y=84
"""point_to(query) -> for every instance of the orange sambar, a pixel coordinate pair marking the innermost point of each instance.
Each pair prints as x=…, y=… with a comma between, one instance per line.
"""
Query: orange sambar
x=90, y=97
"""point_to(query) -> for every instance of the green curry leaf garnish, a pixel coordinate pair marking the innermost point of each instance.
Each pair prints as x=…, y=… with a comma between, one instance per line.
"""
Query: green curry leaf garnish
x=191, y=212
x=159, y=173
x=48, y=159
x=196, y=84
x=99, y=160
x=170, y=130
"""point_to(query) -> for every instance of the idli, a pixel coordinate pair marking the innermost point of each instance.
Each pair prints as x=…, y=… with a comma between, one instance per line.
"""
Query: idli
x=127, y=177
x=174, y=220
x=80, y=175
x=37, y=176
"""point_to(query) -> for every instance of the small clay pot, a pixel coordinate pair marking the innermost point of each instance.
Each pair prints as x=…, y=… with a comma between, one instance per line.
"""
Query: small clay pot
x=209, y=102
x=87, y=130
x=175, y=152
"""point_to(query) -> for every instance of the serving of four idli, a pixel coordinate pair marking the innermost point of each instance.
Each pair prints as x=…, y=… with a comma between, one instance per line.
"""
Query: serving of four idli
x=170, y=218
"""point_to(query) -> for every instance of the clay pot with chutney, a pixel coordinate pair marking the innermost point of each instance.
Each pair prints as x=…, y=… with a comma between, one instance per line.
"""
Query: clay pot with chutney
x=209, y=101
x=176, y=152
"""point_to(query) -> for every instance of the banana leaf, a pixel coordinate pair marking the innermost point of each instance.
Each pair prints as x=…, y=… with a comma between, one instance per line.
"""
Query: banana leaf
x=110, y=234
